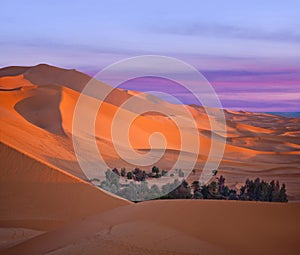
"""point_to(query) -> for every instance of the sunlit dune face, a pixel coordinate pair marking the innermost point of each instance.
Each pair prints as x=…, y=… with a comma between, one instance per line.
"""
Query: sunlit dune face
x=147, y=131
x=13, y=82
x=143, y=127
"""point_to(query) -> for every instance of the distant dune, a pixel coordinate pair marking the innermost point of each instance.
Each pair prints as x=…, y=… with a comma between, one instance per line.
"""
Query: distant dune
x=47, y=205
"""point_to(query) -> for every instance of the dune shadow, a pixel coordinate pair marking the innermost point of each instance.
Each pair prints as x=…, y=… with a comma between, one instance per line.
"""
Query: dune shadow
x=42, y=110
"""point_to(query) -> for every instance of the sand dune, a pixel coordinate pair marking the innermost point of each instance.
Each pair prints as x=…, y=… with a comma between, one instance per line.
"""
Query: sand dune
x=34, y=108
x=49, y=206
x=10, y=237
x=177, y=227
x=36, y=197
x=263, y=137
x=39, y=196
x=54, y=93
x=13, y=82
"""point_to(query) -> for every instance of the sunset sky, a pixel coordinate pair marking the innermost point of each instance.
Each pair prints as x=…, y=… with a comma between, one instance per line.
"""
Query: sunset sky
x=248, y=50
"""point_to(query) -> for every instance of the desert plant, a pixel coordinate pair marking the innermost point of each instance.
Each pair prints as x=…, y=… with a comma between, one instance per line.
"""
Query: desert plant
x=123, y=171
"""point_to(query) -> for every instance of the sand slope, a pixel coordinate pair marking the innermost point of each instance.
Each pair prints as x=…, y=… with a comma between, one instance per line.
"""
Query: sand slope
x=177, y=227
x=39, y=196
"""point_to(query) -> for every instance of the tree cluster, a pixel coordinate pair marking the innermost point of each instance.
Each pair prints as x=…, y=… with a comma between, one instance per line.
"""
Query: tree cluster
x=257, y=190
x=140, y=175
x=138, y=189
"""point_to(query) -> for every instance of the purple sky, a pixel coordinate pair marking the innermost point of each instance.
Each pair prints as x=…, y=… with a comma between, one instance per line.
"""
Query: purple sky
x=248, y=50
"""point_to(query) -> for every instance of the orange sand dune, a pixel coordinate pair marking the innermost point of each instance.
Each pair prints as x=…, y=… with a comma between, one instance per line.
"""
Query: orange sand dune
x=36, y=197
x=39, y=196
x=43, y=74
x=38, y=119
x=44, y=191
x=13, y=82
x=12, y=236
x=177, y=227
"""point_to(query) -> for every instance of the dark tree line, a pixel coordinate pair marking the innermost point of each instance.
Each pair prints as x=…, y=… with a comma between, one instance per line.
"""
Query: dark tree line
x=140, y=175
x=257, y=190
x=252, y=190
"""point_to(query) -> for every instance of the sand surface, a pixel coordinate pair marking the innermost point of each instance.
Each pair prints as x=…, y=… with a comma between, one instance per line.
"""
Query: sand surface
x=176, y=227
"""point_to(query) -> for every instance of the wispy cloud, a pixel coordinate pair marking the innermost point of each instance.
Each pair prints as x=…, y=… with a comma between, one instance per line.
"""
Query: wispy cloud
x=228, y=31
x=263, y=76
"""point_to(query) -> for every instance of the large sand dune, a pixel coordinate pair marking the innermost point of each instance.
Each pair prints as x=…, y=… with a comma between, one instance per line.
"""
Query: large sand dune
x=38, y=197
x=177, y=227
x=44, y=191
x=37, y=117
